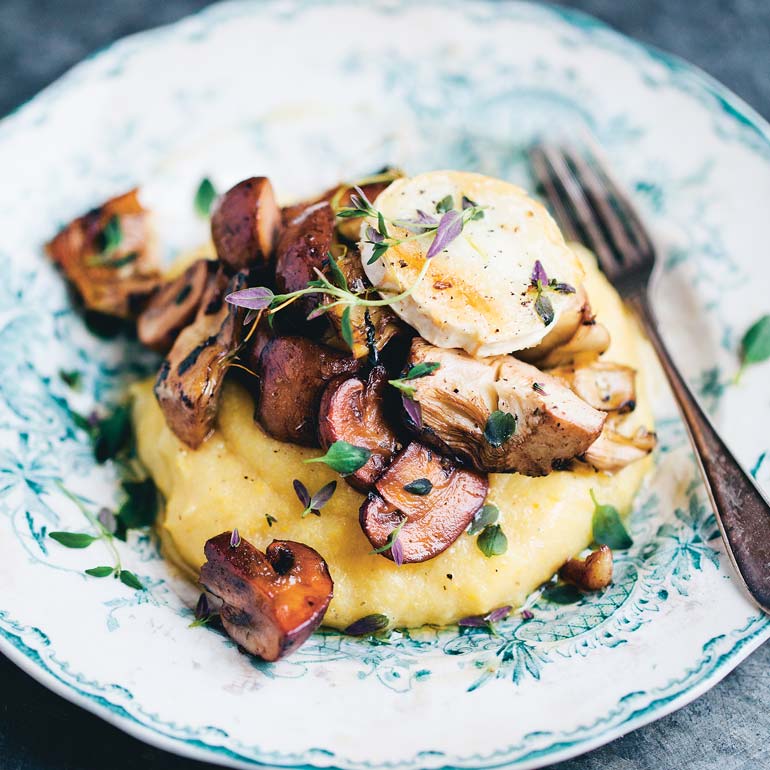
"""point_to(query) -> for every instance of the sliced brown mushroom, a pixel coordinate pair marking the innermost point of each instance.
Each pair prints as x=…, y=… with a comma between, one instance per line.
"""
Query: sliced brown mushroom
x=109, y=255
x=302, y=248
x=428, y=496
x=372, y=327
x=612, y=451
x=174, y=306
x=543, y=422
x=605, y=385
x=190, y=380
x=245, y=223
x=272, y=601
x=293, y=372
x=592, y=573
x=354, y=411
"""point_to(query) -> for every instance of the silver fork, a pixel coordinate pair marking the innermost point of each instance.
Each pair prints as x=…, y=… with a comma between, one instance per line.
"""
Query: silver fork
x=591, y=209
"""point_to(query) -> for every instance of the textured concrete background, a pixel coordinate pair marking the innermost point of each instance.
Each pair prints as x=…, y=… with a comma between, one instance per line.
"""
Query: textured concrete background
x=729, y=727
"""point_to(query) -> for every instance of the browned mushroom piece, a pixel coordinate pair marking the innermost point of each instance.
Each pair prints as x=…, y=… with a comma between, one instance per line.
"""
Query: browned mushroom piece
x=272, y=601
x=588, y=342
x=245, y=223
x=174, y=306
x=293, y=372
x=612, y=451
x=354, y=411
x=189, y=384
x=543, y=422
x=302, y=248
x=109, y=255
x=604, y=385
x=428, y=496
x=592, y=573
x=339, y=196
x=371, y=327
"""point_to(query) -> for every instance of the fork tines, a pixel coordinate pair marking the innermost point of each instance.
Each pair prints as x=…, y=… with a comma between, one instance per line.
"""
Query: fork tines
x=591, y=209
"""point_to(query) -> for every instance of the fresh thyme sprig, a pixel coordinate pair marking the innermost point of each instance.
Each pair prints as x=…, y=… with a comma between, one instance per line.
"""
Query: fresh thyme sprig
x=84, y=539
x=443, y=230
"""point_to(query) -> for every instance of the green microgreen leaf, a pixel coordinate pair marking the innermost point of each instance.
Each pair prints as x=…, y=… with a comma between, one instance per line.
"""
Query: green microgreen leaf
x=343, y=457
x=381, y=227
x=392, y=544
x=562, y=593
x=141, y=505
x=204, y=197
x=445, y=204
x=419, y=487
x=377, y=251
x=492, y=541
x=73, y=539
x=499, y=428
x=100, y=572
x=338, y=277
x=131, y=580
x=270, y=519
x=608, y=527
x=72, y=378
x=346, y=328
x=112, y=433
x=418, y=370
x=486, y=515
x=112, y=236
x=755, y=345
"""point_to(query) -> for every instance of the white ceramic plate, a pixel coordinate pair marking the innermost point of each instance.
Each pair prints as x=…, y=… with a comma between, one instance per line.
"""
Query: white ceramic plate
x=308, y=92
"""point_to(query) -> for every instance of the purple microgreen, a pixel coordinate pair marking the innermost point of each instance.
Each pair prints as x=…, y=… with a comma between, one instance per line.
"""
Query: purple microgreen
x=393, y=544
x=372, y=236
x=467, y=203
x=419, y=487
x=257, y=298
x=204, y=612
x=235, y=538
x=445, y=204
x=500, y=428
x=318, y=312
x=486, y=621
x=413, y=411
x=318, y=500
x=544, y=309
x=539, y=277
x=449, y=228
x=301, y=491
x=107, y=519
x=422, y=223
x=249, y=317
x=343, y=457
x=561, y=287
x=538, y=388
x=527, y=614
x=368, y=626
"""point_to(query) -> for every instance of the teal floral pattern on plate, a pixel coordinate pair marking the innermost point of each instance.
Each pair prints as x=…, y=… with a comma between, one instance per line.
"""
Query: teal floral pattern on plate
x=257, y=88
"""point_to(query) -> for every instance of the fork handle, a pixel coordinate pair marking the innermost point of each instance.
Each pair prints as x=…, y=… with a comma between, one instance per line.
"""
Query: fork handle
x=742, y=511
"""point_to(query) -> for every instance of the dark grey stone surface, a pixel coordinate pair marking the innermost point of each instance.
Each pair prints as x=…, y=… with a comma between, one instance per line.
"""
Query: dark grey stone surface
x=729, y=727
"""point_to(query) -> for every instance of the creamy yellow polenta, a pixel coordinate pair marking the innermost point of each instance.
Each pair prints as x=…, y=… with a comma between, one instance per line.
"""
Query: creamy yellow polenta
x=240, y=476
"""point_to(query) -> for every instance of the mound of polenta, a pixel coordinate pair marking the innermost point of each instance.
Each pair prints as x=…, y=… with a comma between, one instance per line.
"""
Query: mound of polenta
x=240, y=476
